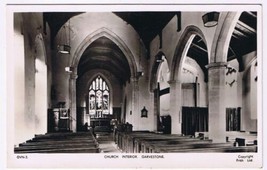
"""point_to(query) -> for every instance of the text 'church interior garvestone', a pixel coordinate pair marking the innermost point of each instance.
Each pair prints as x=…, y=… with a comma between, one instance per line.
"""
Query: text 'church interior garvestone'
x=134, y=82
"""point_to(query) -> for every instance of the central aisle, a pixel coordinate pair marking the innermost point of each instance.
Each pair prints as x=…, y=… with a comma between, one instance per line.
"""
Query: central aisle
x=106, y=143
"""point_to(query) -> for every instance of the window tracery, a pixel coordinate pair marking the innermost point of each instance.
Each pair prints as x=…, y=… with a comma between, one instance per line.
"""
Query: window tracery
x=99, y=97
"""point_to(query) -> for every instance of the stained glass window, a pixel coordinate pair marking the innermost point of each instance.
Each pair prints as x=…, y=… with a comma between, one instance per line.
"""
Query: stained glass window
x=98, y=98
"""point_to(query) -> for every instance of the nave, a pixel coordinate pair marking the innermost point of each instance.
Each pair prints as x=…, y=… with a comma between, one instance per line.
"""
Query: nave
x=182, y=85
x=135, y=142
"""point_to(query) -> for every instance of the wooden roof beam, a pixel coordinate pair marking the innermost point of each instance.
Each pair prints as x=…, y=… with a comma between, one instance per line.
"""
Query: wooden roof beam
x=250, y=29
x=197, y=46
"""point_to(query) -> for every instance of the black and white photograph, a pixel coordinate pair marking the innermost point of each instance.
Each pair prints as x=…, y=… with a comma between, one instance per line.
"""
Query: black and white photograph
x=134, y=86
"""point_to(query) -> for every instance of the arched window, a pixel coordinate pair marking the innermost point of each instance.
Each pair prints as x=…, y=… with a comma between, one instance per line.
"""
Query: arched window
x=99, y=98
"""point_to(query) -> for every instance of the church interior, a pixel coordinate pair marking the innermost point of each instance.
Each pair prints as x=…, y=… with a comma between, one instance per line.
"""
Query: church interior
x=134, y=82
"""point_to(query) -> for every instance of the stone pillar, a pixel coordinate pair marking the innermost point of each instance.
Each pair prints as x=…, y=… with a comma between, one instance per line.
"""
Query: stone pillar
x=135, y=102
x=216, y=92
x=175, y=106
x=73, y=108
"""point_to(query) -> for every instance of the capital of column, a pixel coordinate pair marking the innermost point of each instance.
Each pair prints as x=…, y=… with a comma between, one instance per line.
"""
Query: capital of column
x=216, y=65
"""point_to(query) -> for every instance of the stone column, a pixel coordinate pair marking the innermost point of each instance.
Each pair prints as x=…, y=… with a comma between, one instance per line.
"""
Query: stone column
x=175, y=106
x=216, y=92
x=135, y=102
x=73, y=108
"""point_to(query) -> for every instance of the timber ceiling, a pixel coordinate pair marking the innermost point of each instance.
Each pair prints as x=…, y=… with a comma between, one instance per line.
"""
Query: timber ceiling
x=147, y=24
x=105, y=54
x=244, y=38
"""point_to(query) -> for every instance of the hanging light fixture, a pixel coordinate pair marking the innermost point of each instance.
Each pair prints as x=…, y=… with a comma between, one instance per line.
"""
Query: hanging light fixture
x=64, y=48
x=210, y=19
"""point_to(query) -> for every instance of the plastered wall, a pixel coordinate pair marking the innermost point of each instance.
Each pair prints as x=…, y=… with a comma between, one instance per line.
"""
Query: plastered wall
x=249, y=112
x=192, y=73
x=241, y=91
x=31, y=76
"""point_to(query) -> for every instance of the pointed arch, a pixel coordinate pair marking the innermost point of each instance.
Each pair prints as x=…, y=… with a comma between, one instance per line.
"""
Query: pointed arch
x=104, y=32
x=154, y=71
x=182, y=49
x=223, y=36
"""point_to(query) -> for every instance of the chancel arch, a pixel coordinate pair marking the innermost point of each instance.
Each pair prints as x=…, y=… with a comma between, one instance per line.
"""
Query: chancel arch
x=94, y=46
x=103, y=60
x=104, y=32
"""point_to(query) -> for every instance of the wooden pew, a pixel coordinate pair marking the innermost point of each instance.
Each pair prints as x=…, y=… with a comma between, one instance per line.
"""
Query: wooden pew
x=135, y=146
x=62, y=137
x=60, y=143
x=55, y=146
x=156, y=146
x=134, y=142
x=217, y=149
x=126, y=140
x=64, y=134
x=189, y=146
x=143, y=143
x=129, y=145
x=62, y=150
x=139, y=142
x=33, y=143
x=201, y=146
